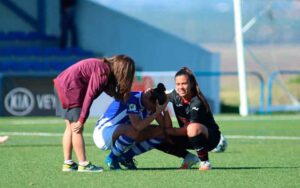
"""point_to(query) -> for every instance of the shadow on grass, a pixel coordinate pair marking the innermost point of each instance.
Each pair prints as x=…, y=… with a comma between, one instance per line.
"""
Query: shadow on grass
x=160, y=168
x=224, y=168
x=256, y=168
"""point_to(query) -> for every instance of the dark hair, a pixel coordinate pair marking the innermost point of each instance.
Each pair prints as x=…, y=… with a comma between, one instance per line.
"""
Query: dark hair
x=159, y=94
x=195, y=87
x=122, y=73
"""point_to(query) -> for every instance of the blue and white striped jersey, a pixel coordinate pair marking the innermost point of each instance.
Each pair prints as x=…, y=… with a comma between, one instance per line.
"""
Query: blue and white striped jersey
x=117, y=112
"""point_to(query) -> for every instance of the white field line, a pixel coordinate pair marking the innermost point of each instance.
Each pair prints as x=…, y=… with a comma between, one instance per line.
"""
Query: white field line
x=257, y=118
x=218, y=118
x=263, y=137
x=35, y=122
x=44, y=134
x=31, y=134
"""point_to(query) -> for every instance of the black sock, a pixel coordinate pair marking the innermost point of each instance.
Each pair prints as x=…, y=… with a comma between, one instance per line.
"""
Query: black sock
x=172, y=149
x=199, y=143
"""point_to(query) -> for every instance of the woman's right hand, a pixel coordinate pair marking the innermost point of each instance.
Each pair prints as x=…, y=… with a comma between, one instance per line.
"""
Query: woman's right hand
x=160, y=108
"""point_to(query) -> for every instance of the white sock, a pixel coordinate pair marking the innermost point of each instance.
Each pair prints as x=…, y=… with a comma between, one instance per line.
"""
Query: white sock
x=70, y=161
x=84, y=163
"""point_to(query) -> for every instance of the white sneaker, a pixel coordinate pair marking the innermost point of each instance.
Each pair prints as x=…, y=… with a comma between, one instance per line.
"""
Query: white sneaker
x=3, y=139
x=204, y=165
x=189, y=161
x=222, y=146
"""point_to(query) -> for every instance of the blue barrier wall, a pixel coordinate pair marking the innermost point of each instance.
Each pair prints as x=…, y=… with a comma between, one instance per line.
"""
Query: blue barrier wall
x=109, y=32
x=17, y=15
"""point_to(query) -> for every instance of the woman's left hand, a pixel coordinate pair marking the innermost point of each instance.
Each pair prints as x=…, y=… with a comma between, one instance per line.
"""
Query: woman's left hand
x=78, y=127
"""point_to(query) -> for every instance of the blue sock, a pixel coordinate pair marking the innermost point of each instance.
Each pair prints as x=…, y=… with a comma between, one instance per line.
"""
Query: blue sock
x=142, y=147
x=122, y=144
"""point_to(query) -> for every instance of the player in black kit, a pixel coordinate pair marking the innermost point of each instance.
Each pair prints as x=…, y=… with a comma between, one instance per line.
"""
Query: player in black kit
x=197, y=127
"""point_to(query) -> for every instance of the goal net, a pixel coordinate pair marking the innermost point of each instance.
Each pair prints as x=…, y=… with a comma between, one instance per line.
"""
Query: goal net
x=271, y=47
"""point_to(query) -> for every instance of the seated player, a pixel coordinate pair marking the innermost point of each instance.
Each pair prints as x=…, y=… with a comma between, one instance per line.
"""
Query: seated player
x=126, y=127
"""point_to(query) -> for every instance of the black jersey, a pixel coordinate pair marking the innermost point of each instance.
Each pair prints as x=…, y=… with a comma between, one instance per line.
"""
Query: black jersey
x=193, y=112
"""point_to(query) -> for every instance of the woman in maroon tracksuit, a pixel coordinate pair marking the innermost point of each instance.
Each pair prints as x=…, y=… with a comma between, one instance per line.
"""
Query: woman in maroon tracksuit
x=76, y=88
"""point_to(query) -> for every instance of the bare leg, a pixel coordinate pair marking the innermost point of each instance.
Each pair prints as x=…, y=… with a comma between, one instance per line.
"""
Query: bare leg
x=67, y=141
x=195, y=129
x=127, y=130
x=79, y=145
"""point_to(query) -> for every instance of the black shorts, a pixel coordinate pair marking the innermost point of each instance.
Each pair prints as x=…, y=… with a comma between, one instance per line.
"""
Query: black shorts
x=71, y=114
x=214, y=136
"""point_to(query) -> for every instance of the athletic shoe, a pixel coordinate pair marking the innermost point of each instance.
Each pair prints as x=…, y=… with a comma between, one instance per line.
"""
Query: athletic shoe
x=130, y=164
x=205, y=165
x=189, y=161
x=89, y=168
x=3, y=139
x=70, y=167
x=112, y=163
x=222, y=145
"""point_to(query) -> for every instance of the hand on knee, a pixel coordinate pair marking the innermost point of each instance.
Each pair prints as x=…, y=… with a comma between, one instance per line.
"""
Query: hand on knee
x=77, y=127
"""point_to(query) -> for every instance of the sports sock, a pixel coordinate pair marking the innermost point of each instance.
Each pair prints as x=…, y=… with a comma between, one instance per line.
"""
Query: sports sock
x=69, y=162
x=199, y=143
x=121, y=145
x=142, y=147
x=173, y=149
x=84, y=163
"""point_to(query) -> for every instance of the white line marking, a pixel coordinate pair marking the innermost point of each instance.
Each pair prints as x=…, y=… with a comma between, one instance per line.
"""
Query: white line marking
x=34, y=122
x=30, y=134
x=257, y=118
x=263, y=137
x=34, y=134
x=45, y=134
x=94, y=119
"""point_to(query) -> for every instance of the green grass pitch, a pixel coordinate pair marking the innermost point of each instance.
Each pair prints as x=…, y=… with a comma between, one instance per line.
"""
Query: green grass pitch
x=263, y=151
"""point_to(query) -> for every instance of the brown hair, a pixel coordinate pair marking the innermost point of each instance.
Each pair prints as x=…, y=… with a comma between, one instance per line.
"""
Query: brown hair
x=122, y=73
x=195, y=87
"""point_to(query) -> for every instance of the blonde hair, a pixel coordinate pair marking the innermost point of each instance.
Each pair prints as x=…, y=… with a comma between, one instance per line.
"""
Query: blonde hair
x=195, y=87
x=122, y=73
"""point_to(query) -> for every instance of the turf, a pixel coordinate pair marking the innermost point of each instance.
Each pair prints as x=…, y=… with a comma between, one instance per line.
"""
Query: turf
x=36, y=161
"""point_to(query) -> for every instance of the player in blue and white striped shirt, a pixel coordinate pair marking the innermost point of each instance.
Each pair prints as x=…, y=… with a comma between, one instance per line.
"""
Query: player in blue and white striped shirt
x=125, y=127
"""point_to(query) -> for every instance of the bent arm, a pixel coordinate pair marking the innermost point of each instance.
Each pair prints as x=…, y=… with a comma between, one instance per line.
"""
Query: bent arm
x=182, y=131
x=140, y=124
x=95, y=88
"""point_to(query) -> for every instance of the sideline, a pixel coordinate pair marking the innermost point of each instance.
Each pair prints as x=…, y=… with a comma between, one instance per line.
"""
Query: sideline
x=45, y=134
x=25, y=121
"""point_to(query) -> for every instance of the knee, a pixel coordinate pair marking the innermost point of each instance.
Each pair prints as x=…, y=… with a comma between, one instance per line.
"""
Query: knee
x=195, y=129
x=126, y=130
x=132, y=133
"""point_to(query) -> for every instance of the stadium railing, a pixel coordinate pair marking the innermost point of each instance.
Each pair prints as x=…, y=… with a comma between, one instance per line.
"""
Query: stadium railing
x=269, y=106
x=260, y=108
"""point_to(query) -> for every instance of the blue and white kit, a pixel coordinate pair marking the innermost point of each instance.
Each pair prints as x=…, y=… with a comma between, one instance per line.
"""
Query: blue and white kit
x=116, y=115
